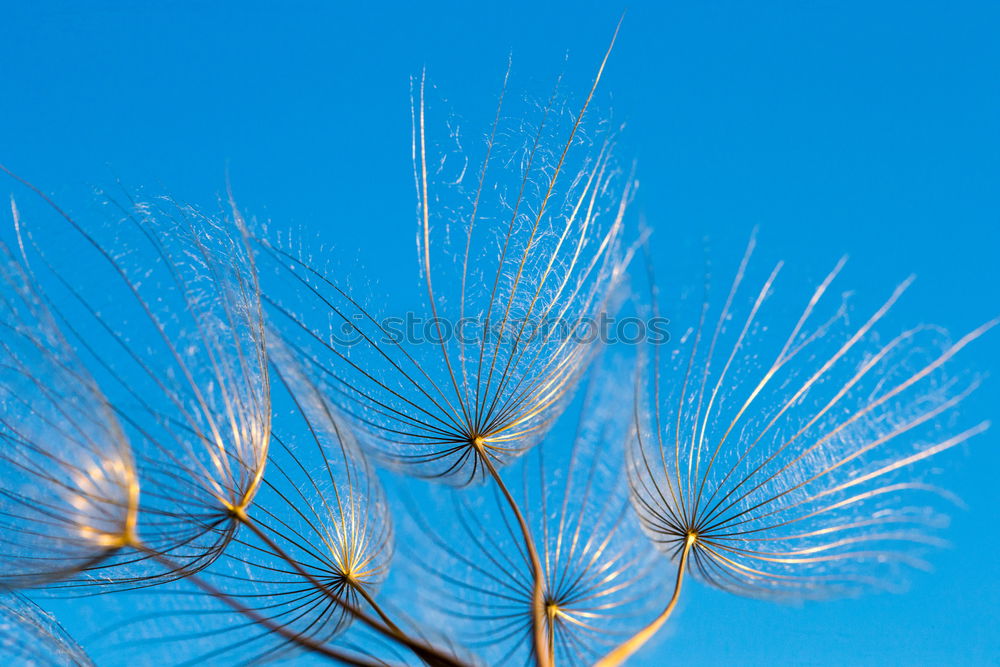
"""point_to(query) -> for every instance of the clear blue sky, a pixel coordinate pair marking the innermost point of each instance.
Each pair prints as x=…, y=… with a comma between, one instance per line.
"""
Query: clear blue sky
x=871, y=129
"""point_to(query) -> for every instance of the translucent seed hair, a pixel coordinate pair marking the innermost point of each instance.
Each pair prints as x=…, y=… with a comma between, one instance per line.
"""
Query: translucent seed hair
x=519, y=244
x=31, y=636
x=782, y=456
x=601, y=574
x=70, y=492
x=163, y=307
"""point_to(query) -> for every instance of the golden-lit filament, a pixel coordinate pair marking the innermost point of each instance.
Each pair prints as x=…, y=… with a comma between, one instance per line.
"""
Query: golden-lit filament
x=105, y=496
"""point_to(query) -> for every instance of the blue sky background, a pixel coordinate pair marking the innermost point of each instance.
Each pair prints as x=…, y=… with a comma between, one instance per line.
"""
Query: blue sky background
x=838, y=127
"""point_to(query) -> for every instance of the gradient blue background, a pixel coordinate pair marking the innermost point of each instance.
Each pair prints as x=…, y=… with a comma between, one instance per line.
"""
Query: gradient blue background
x=839, y=127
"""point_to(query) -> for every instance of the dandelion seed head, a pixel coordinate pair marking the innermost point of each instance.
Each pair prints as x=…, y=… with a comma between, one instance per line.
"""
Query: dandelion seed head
x=791, y=455
x=519, y=241
x=600, y=573
x=164, y=313
x=70, y=493
x=327, y=536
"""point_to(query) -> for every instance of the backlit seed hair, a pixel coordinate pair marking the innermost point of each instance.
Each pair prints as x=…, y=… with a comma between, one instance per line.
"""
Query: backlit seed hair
x=70, y=492
x=30, y=636
x=165, y=311
x=318, y=535
x=519, y=244
x=601, y=573
x=783, y=461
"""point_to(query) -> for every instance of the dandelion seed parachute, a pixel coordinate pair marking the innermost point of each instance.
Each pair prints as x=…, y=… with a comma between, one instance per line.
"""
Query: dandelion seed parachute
x=781, y=460
x=601, y=574
x=70, y=494
x=329, y=535
x=30, y=636
x=164, y=308
x=519, y=244
x=537, y=256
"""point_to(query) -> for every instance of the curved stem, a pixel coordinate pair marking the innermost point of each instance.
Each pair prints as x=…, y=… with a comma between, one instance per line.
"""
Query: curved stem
x=543, y=658
x=430, y=654
x=290, y=635
x=634, y=643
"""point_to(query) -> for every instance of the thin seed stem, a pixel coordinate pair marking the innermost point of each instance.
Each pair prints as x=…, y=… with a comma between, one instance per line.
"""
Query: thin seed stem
x=429, y=653
x=543, y=657
x=256, y=617
x=634, y=643
x=377, y=608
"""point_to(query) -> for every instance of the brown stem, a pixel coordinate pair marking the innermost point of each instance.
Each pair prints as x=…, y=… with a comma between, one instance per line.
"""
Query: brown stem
x=426, y=652
x=377, y=608
x=253, y=615
x=543, y=658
